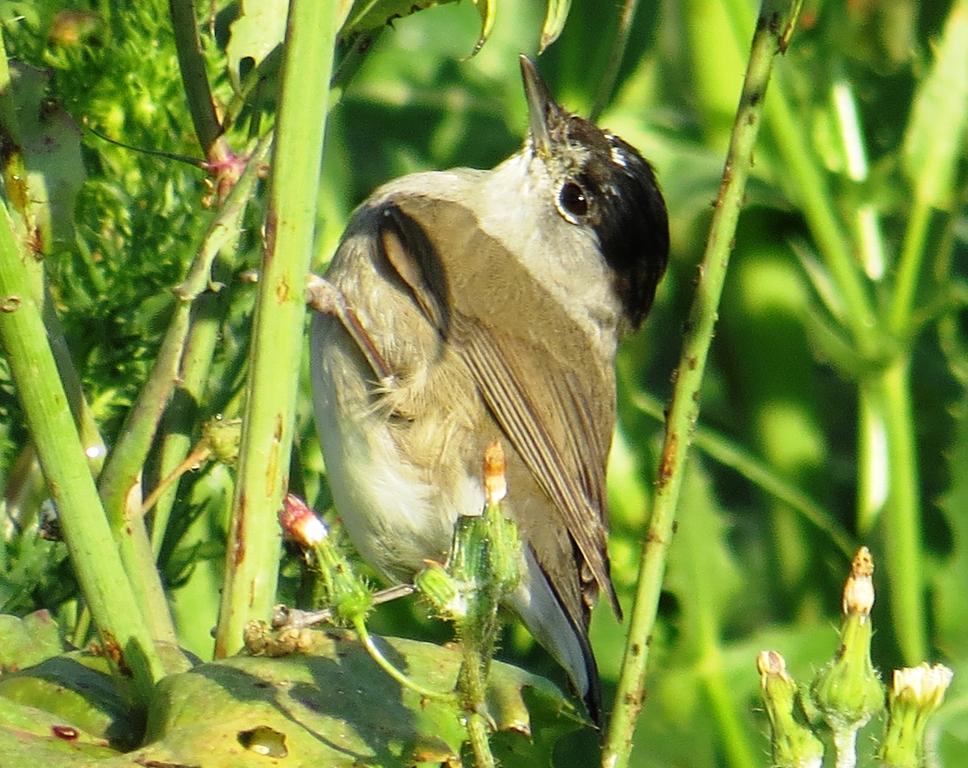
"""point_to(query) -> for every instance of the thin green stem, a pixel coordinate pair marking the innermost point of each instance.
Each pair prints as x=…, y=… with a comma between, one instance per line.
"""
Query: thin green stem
x=169, y=482
x=181, y=418
x=480, y=744
x=252, y=556
x=377, y=655
x=909, y=266
x=207, y=314
x=472, y=682
x=201, y=104
x=684, y=410
x=120, y=481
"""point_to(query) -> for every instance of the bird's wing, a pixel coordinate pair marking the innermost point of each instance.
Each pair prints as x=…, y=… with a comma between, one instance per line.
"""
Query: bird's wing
x=549, y=393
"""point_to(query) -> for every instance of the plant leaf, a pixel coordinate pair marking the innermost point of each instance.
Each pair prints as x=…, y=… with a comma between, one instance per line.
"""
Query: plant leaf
x=935, y=133
x=554, y=22
x=258, y=30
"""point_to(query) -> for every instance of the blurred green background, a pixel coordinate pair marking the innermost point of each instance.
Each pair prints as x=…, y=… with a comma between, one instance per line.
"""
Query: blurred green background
x=789, y=472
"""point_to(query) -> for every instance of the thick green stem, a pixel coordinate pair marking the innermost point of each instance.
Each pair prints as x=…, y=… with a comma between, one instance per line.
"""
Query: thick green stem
x=684, y=410
x=905, y=563
x=96, y=563
x=252, y=557
x=120, y=481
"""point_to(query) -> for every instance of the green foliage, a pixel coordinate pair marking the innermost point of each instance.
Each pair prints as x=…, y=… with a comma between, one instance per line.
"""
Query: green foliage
x=839, y=368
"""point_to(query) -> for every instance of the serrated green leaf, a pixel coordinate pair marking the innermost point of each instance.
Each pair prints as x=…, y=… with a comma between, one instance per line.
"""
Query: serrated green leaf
x=258, y=30
x=368, y=15
x=934, y=139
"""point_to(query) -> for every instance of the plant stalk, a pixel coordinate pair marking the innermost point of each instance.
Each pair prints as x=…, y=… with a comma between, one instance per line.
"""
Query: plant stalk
x=772, y=28
x=107, y=591
x=252, y=556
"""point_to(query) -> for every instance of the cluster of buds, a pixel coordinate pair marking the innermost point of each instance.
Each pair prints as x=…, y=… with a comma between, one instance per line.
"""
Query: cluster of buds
x=484, y=560
x=848, y=692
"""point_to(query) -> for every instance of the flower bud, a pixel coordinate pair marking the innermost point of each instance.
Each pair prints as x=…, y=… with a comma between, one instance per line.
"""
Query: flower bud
x=495, y=481
x=794, y=745
x=848, y=691
x=223, y=437
x=915, y=694
x=300, y=523
x=445, y=594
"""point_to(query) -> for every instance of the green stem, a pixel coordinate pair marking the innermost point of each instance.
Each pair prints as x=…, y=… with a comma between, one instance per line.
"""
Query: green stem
x=252, y=557
x=684, y=410
x=201, y=104
x=14, y=172
x=180, y=419
x=909, y=266
x=122, y=473
x=904, y=562
x=387, y=666
x=472, y=687
x=120, y=481
x=96, y=563
x=480, y=744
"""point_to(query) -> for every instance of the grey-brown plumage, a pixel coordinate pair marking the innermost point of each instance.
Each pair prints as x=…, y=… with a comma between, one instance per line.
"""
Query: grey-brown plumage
x=491, y=303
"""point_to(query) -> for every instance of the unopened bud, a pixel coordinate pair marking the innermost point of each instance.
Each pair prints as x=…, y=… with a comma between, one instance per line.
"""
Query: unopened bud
x=794, y=745
x=495, y=480
x=848, y=690
x=445, y=593
x=859, y=587
x=223, y=437
x=300, y=523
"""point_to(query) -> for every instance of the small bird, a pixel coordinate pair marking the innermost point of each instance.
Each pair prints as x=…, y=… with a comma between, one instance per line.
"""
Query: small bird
x=471, y=306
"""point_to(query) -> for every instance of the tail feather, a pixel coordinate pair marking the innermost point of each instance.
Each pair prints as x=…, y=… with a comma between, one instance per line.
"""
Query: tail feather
x=538, y=604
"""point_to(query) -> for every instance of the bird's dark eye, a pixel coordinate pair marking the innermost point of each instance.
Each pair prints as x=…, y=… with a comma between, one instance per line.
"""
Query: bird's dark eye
x=572, y=200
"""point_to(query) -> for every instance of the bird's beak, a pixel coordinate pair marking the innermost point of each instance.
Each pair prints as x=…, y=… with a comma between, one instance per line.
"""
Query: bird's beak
x=540, y=105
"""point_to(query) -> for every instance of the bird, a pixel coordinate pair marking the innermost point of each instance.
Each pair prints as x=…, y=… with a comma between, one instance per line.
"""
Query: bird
x=478, y=305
